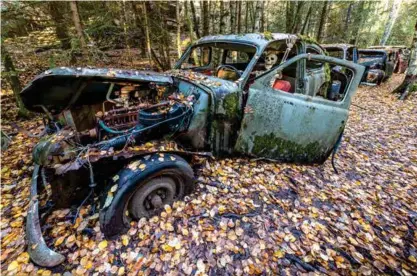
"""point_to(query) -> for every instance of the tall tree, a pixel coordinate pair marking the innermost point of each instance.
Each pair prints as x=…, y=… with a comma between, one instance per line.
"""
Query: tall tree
x=232, y=6
x=347, y=20
x=195, y=20
x=306, y=21
x=322, y=23
x=146, y=29
x=247, y=17
x=409, y=84
x=189, y=22
x=13, y=79
x=56, y=10
x=77, y=23
x=391, y=21
x=297, y=18
x=289, y=15
x=205, y=17
x=257, y=18
x=178, y=19
x=239, y=17
x=222, y=23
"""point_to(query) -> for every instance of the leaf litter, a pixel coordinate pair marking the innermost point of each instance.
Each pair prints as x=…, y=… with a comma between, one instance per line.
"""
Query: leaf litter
x=249, y=216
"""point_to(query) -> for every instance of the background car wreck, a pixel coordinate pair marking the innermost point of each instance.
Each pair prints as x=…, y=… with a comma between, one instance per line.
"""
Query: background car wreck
x=114, y=131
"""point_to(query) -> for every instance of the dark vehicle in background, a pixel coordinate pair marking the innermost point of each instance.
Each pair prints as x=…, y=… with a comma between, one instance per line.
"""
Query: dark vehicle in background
x=379, y=65
x=129, y=135
x=402, y=56
x=343, y=51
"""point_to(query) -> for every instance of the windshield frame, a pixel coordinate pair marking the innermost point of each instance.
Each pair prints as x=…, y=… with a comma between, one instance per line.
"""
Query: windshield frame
x=243, y=78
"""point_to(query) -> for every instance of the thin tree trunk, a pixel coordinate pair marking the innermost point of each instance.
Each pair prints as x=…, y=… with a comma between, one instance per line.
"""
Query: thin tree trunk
x=261, y=28
x=222, y=23
x=13, y=79
x=56, y=10
x=189, y=22
x=303, y=30
x=239, y=17
x=205, y=18
x=212, y=17
x=232, y=6
x=391, y=21
x=356, y=31
x=177, y=12
x=322, y=21
x=77, y=23
x=297, y=20
x=257, y=19
x=139, y=26
x=195, y=20
x=147, y=36
x=289, y=18
x=347, y=20
x=246, y=17
x=409, y=84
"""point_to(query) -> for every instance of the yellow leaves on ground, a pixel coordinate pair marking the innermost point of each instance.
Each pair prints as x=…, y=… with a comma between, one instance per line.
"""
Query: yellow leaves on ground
x=102, y=245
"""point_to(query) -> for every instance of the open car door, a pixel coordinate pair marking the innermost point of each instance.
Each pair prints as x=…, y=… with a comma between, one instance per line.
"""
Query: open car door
x=301, y=127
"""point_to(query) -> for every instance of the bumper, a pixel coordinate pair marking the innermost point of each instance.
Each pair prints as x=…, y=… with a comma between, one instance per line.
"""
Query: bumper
x=38, y=251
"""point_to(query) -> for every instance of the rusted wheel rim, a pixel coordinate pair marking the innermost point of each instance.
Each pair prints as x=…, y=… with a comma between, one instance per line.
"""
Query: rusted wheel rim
x=151, y=197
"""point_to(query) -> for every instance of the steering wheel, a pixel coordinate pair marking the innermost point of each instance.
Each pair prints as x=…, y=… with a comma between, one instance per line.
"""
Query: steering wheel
x=228, y=68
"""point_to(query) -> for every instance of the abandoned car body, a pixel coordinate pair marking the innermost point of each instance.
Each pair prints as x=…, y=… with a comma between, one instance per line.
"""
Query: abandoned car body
x=342, y=51
x=127, y=134
x=402, y=56
x=379, y=65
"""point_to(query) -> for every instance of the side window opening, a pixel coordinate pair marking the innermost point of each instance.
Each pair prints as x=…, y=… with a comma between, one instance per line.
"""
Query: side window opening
x=330, y=84
x=311, y=64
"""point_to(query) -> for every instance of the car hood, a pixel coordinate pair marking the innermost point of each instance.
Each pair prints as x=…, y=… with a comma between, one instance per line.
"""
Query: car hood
x=56, y=87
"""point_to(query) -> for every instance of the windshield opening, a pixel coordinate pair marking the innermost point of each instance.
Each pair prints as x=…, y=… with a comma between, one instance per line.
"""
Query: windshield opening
x=227, y=61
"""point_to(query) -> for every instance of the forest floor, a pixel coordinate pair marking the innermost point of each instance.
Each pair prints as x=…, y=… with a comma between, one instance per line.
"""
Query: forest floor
x=267, y=218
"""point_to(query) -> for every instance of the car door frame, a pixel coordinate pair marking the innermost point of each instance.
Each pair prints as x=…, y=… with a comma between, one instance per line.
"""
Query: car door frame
x=277, y=146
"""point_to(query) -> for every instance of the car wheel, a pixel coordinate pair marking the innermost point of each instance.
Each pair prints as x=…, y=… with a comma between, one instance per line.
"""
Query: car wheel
x=142, y=189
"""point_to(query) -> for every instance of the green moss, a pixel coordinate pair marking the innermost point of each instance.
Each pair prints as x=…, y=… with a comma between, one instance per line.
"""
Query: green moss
x=277, y=148
x=307, y=38
x=231, y=105
x=268, y=36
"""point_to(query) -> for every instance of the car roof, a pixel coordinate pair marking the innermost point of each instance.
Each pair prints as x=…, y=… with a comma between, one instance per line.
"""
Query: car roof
x=373, y=50
x=257, y=39
x=338, y=45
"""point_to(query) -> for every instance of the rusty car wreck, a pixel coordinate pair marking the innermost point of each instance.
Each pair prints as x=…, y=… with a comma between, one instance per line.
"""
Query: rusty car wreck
x=128, y=135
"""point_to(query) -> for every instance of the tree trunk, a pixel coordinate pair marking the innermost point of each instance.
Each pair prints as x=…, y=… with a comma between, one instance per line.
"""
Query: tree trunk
x=178, y=18
x=347, y=20
x=212, y=29
x=322, y=21
x=222, y=21
x=297, y=20
x=246, y=17
x=239, y=17
x=355, y=32
x=13, y=79
x=303, y=30
x=391, y=21
x=257, y=18
x=232, y=6
x=56, y=10
x=147, y=36
x=189, y=22
x=409, y=84
x=139, y=26
x=261, y=28
x=289, y=17
x=77, y=23
x=195, y=20
x=205, y=17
